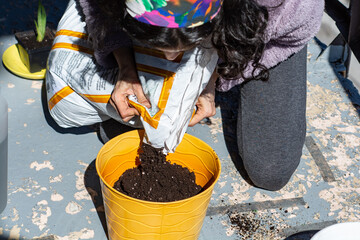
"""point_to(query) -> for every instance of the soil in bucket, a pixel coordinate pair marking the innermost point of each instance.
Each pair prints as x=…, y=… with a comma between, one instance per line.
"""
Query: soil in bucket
x=156, y=179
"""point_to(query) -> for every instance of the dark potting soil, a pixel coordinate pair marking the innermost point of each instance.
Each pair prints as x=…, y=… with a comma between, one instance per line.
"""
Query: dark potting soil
x=156, y=179
x=28, y=39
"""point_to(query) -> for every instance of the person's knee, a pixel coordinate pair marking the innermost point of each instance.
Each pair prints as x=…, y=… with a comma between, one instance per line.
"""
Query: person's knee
x=64, y=119
x=270, y=182
x=68, y=114
x=270, y=174
x=271, y=164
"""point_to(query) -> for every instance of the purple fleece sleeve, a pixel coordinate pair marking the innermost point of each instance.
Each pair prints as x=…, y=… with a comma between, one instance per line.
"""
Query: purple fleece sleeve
x=114, y=39
x=289, y=29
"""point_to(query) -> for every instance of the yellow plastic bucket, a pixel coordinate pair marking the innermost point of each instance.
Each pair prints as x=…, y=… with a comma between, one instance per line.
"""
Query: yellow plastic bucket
x=130, y=218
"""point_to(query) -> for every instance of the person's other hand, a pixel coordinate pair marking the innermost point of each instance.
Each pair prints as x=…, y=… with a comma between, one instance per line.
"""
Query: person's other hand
x=127, y=84
x=205, y=103
x=205, y=108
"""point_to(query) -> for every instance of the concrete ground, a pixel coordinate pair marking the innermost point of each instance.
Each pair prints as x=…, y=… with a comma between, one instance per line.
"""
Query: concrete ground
x=54, y=193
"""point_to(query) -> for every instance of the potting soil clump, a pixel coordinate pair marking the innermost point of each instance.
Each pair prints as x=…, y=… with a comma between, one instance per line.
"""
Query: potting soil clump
x=156, y=179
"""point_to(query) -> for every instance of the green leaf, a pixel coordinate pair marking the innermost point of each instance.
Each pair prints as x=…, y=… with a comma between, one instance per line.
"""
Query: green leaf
x=40, y=24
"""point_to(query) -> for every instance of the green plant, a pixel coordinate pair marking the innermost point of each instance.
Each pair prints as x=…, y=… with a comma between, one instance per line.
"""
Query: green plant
x=40, y=24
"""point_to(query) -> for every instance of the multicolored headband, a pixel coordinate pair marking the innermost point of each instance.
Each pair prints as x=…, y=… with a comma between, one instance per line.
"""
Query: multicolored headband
x=174, y=13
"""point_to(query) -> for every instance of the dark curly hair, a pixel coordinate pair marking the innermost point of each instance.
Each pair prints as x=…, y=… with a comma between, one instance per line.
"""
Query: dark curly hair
x=238, y=37
x=237, y=32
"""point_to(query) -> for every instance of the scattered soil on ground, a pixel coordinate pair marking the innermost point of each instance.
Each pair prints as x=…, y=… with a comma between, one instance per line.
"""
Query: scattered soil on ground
x=156, y=179
x=251, y=225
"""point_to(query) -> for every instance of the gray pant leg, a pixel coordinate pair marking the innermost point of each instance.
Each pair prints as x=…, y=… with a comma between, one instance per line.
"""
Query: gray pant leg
x=271, y=123
x=229, y=102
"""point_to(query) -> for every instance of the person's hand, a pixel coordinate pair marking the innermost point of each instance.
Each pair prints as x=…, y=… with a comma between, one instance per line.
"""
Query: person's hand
x=205, y=108
x=205, y=103
x=127, y=84
x=120, y=102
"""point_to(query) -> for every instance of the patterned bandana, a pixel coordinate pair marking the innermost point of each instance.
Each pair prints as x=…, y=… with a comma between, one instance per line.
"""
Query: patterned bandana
x=174, y=13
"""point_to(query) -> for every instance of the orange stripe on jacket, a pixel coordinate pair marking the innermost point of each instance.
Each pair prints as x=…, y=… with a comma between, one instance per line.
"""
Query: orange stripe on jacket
x=97, y=98
x=74, y=47
x=64, y=92
x=65, y=32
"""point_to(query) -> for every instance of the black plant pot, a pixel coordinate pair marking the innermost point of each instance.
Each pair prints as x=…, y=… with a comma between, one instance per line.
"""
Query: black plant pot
x=34, y=54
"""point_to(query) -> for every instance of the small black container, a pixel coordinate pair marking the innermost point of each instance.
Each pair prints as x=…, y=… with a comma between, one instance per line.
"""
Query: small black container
x=34, y=54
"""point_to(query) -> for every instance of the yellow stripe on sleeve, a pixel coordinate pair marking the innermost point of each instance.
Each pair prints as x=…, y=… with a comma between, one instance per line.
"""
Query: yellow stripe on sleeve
x=74, y=47
x=64, y=32
x=64, y=92
x=96, y=98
